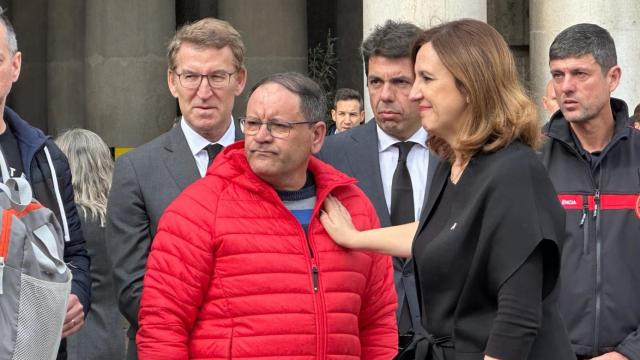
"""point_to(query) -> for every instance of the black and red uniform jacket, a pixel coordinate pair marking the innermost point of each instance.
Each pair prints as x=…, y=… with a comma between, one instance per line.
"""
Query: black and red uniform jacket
x=600, y=274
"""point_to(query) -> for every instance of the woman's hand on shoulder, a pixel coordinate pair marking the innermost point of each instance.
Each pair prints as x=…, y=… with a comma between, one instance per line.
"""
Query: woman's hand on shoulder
x=337, y=222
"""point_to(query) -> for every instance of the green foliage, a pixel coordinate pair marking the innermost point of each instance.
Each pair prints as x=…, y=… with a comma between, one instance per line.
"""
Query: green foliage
x=321, y=67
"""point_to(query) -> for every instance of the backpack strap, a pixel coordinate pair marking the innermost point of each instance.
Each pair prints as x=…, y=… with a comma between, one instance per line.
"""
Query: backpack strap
x=21, y=194
x=18, y=190
x=4, y=170
x=46, y=250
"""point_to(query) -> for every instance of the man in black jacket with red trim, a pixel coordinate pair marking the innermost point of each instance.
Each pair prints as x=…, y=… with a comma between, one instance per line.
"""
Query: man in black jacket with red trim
x=32, y=154
x=593, y=158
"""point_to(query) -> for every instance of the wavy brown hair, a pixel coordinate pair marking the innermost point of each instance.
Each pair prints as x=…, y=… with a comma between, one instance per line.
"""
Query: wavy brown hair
x=484, y=70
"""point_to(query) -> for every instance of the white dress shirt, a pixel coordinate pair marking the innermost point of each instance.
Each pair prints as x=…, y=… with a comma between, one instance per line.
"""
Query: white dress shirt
x=417, y=163
x=197, y=143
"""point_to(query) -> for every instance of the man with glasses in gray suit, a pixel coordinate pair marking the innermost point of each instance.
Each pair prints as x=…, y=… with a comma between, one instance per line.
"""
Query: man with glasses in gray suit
x=205, y=74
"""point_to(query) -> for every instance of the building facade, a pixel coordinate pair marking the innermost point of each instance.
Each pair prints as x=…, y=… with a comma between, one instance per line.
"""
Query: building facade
x=101, y=65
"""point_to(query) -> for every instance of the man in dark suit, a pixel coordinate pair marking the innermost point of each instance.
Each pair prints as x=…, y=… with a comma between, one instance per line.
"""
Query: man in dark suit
x=205, y=74
x=389, y=156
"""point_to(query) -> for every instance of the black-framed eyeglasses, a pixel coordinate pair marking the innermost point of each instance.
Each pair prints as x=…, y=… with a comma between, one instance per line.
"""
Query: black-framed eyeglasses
x=277, y=128
x=216, y=80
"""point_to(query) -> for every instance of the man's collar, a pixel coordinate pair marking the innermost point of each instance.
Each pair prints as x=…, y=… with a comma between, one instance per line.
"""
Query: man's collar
x=385, y=140
x=197, y=142
x=559, y=128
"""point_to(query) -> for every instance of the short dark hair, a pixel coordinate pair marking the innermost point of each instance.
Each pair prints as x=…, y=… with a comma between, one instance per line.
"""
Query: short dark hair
x=312, y=103
x=344, y=94
x=391, y=40
x=585, y=39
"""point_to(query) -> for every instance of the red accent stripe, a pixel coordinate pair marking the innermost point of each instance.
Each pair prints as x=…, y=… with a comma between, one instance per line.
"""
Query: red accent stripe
x=618, y=202
x=607, y=201
x=32, y=206
x=7, y=216
x=4, y=234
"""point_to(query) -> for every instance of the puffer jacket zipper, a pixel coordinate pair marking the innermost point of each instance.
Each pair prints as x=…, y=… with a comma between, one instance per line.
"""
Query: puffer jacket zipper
x=319, y=301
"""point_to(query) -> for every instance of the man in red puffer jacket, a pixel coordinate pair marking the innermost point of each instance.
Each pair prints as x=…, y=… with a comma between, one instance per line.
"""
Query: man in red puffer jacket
x=241, y=266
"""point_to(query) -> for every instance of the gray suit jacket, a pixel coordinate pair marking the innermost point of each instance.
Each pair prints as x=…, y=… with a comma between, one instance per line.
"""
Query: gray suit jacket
x=355, y=152
x=145, y=181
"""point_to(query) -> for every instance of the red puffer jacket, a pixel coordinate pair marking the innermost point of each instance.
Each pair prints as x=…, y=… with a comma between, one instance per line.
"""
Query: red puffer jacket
x=232, y=275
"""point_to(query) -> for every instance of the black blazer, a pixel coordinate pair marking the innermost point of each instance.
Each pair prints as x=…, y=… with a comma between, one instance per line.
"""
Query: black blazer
x=509, y=210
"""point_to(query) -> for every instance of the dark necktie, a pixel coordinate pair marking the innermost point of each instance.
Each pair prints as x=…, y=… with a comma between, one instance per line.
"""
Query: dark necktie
x=212, y=151
x=402, y=211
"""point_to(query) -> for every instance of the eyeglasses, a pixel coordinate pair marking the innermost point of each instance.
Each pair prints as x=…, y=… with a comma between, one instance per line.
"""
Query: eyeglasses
x=216, y=80
x=277, y=129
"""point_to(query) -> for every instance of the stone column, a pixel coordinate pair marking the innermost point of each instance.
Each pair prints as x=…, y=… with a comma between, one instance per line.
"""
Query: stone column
x=275, y=35
x=548, y=18
x=128, y=102
x=65, y=65
x=29, y=95
x=424, y=13
x=350, y=69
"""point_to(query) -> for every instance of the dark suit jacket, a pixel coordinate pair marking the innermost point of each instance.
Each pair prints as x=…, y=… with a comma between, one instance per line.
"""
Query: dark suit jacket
x=355, y=152
x=145, y=181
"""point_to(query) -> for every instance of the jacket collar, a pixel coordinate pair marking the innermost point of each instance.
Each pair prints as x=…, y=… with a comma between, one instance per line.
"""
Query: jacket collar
x=30, y=139
x=232, y=164
x=558, y=127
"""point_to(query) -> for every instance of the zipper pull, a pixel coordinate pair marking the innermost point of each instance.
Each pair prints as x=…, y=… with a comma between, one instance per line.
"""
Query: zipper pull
x=596, y=200
x=585, y=210
x=314, y=270
x=1, y=275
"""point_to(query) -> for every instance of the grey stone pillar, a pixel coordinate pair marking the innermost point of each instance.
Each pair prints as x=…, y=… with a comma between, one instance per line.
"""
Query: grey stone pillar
x=274, y=33
x=29, y=94
x=128, y=102
x=548, y=18
x=350, y=69
x=424, y=13
x=65, y=66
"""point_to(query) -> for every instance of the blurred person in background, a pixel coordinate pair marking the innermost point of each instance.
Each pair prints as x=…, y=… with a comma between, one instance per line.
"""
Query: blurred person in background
x=103, y=336
x=347, y=112
x=550, y=100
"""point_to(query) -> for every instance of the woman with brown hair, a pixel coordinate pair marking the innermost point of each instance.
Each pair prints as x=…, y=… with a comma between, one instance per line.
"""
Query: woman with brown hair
x=487, y=247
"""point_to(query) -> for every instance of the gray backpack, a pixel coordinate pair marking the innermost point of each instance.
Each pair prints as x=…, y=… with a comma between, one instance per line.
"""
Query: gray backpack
x=34, y=280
